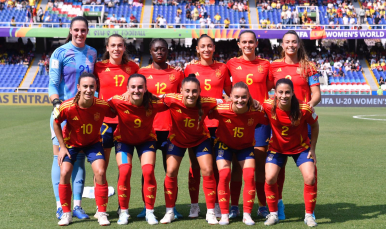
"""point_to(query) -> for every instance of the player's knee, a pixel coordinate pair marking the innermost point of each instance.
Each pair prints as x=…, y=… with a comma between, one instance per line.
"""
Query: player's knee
x=206, y=171
x=309, y=179
x=270, y=179
x=99, y=173
x=171, y=172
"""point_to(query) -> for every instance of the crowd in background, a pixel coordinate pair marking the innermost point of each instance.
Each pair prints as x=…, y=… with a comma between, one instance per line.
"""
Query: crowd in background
x=16, y=53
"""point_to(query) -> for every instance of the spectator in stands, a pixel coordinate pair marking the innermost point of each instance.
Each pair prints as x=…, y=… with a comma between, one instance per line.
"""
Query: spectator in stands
x=188, y=16
x=243, y=23
x=162, y=22
x=377, y=21
x=211, y=25
x=227, y=23
x=50, y=4
x=217, y=18
x=289, y=16
x=345, y=22
x=60, y=23
x=179, y=11
x=116, y=2
x=195, y=14
x=10, y=4
x=202, y=22
x=177, y=20
x=41, y=67
x=221, y=3
x=208, y=20
x=381, y=81
x=134, y=21
x=283, y=17
x=13, y=22
x=122, y=19
x=28, y=15
x=113, y=19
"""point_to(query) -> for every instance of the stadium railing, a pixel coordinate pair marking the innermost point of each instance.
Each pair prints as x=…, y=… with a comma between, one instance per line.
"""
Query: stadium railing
x=22, y=90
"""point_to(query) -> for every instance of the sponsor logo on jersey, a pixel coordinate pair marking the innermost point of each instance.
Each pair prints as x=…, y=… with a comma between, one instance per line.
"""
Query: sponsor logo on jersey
x=122, y=187
x=218, y=73
x=150, y=77
x=221, y=153
x=99, y=154
x=279, y=70
x=128, y=70
x=107, y=69
x=97, y=116
x=239, y=68
x=76, y=118
x=251, y=154
x=127, y=112
x=260, y=69
x=172, y=77
x=205, y=150
x=250, y=121
x=222, y=200
x=179, y=110
x=151, y=147
x=228, y=121
x=288, y=77
x=55, y=64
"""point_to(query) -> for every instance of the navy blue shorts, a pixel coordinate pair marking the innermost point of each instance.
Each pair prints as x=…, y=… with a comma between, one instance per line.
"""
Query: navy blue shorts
x=223, y=152
x=212, y=132
x=203, y=148
x=107, y=133
x=262, y=135
x=280, y=159
x=141, y=148
x=93, y=152
x=162, y=139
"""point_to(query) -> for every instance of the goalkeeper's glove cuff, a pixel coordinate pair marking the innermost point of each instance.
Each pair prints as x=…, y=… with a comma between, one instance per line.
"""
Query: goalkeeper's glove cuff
x=56, y=102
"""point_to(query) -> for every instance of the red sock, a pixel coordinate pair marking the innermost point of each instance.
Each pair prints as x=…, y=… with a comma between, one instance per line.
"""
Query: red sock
x=101, y=196
x=194, y=185
x=261, y=193
x=310, y=193
x=149, y=185
x=271, y=192
x=65, y=194
x=170, y=189
x=223, y=189
x=216, y=178
x=249, y=189
x=124, y=188
x=209, y=186
x=235, y=192
x=280, y=182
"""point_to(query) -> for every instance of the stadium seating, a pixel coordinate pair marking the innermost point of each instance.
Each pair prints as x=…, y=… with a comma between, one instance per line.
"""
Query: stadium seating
x=16, y=72
x=170, y=12
x=40, y=81
x=6, y=16
x=126, y=10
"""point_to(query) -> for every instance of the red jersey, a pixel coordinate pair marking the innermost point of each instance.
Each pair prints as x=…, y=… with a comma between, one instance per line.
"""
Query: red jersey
x=135, y=122
x=113, y=80
x=286, y=138
x=83, y=124
x=253, y=73
x=302, y=85
x=237, y=130
x=162, y=82
x=185, y=131
x=213, y=79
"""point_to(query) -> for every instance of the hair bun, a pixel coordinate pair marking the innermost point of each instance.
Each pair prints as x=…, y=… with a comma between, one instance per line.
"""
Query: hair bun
x=192, y=75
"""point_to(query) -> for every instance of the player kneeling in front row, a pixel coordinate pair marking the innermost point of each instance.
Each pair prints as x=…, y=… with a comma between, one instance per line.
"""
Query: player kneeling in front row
x=235, y=135
x=84, y=114
x=289, y=118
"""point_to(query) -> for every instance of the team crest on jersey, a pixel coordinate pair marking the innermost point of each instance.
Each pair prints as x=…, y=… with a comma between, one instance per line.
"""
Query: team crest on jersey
x=298, y=70
x=128, y=70
x=172, y=77
x=260, y=69
x=119, y=146
x=288, y=77
x=218, y=73
x=97, y=116
x=221, y=153
x=250, y=121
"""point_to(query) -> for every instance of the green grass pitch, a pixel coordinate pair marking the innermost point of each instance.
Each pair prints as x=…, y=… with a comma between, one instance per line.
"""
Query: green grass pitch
x=351, y=171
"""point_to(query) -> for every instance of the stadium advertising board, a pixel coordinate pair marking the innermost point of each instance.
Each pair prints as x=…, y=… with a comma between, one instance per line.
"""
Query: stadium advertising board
x=352, y=101
x=24, y=99
x=189, y=33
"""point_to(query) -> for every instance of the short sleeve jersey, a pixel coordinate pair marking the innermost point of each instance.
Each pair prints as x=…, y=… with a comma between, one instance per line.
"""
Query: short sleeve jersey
x=135, y=122
x=83, y=124
x=213, y=79
x=253, y=73
x=237, y=130
x=113, y=80
x=185, y=131
x=161, y=82
x=302, y=85
x=287, y=138
x=67, y=63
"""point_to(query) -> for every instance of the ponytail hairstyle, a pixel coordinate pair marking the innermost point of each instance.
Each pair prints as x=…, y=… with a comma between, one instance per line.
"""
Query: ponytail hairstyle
x=84, y=75
x=243, y=85
x=192, y=78
x=125, y=56
x=302, y=56
x=295, y=114
x=148, y=97
x=240, y=52
x=77, y=18
x=198, y=42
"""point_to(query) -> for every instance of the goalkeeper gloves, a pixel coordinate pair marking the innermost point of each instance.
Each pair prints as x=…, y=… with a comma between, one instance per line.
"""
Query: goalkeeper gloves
x=56, y=103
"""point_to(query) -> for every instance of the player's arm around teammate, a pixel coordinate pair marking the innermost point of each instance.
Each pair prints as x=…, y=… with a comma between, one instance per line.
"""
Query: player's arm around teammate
x=253, y=71
x=188, y=110
x=235, y=138
x=84, y=114
x=214, y=78
x=113, y=72
x=161, y=79
x=289, y=118
x=66, y=65
x=135, y=131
